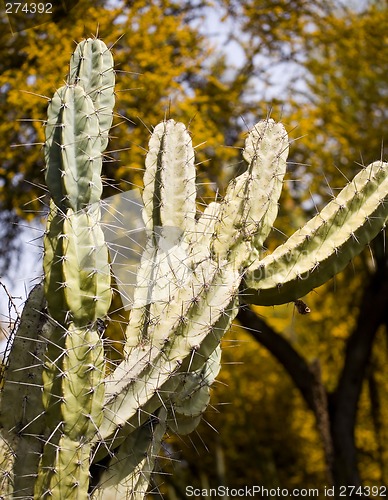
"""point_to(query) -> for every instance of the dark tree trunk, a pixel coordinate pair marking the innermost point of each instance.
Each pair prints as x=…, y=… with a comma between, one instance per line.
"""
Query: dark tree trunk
x=306, y=377
x=335, y=413
x=343, y=402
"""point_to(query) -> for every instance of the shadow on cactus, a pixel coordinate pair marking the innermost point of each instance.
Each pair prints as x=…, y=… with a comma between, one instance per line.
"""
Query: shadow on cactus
x=70, y=427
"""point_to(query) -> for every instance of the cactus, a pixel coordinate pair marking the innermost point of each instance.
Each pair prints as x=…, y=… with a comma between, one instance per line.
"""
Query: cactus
x=96, y=432
x=77, y=274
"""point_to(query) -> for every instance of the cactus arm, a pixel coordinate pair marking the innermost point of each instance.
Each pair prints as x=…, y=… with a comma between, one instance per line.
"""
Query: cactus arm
x=91, y=67
x=266, y=151
x=169, y=182
x=325, y=245
x=22, y=413
x=251, y=202
x=169, y=217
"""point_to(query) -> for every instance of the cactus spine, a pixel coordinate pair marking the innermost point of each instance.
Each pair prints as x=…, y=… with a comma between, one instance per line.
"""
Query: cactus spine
x=98, y=433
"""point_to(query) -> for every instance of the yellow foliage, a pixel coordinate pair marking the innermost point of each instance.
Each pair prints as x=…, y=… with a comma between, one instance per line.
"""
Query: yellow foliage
x=163, y=67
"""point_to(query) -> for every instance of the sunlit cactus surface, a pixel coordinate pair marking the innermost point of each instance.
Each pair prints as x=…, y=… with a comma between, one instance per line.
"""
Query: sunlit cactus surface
x=77, y=422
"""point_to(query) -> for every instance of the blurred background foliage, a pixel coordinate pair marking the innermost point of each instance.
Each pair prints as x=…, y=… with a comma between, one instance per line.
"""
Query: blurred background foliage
x=301, y=401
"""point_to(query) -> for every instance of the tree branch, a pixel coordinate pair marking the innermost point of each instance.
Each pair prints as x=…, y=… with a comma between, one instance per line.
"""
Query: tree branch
x=278, y=346
x=306, y=378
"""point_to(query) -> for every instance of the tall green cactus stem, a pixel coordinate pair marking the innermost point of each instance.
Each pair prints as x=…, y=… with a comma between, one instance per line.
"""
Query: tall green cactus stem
x=77, y=286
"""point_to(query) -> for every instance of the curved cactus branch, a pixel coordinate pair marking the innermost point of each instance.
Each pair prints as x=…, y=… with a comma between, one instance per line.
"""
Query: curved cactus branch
x=325, y=245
